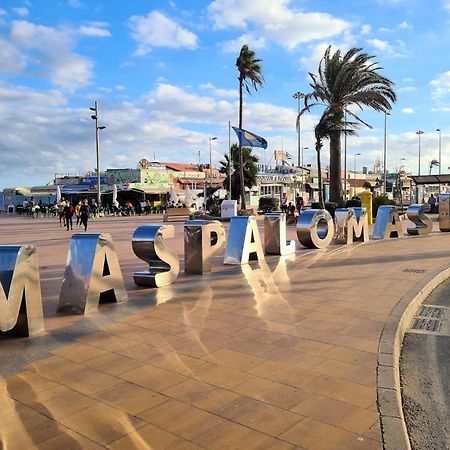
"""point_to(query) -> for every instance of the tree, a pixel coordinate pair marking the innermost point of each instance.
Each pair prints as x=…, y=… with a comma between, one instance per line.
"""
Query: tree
x=343, y=82
x=249, y=166
x=250, y=75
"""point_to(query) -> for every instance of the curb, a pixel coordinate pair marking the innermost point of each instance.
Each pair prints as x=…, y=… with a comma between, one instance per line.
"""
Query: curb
x=389, y=398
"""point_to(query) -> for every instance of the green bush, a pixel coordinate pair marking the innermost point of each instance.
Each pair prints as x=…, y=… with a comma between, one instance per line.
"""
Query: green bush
x=329, y=206
x=268, y=204
x=378, y=201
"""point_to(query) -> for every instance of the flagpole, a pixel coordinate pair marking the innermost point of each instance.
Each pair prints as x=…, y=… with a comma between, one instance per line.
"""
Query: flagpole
x=229, y=156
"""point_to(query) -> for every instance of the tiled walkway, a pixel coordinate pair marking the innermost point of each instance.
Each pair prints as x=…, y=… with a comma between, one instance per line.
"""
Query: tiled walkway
x=277, y=355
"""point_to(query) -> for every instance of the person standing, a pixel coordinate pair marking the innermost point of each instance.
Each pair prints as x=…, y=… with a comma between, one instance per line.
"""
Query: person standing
x=299, y=203
x=284, y=203
x=84, y=214
x=68, y=214
x=60, y=207
x=77, y=213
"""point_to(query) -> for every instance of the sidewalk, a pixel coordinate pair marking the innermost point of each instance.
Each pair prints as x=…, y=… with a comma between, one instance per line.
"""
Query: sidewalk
x=277, y=355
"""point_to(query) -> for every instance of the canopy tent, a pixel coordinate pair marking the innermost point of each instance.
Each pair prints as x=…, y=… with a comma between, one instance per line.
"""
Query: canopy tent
x=431, y=179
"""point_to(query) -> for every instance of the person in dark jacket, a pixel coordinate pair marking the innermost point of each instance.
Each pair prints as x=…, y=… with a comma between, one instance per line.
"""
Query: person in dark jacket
x=84, y=214
x=68, y=214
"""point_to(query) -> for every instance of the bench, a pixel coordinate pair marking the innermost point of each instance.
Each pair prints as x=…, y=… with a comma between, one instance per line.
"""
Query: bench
x=176, y=212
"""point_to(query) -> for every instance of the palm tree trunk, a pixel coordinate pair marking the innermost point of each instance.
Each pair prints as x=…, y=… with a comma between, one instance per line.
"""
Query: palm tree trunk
x=241, y=159
x=319, y=174
x=335, y=167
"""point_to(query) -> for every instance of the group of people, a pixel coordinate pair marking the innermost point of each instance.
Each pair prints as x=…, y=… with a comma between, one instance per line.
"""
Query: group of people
x=81, y=211
x=289, y=208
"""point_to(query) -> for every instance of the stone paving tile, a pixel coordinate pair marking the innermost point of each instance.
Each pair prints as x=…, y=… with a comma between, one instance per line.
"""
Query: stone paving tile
x=221, y=376
x=68, y=440
x=102, y=423
x=113, y=364
x=181, y=419
x=259, y=416
x=234, y=359
x=349, y=372
x=79, y=353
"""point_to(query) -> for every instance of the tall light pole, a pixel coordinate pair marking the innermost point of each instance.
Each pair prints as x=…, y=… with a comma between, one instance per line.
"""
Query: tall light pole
x=302, y=174
x=419, y=133
x=298, y=96
x=440, y=148
x=385, y=152
x=345, y=156
x=356, y=154
x=210, y=166
x=97, y=148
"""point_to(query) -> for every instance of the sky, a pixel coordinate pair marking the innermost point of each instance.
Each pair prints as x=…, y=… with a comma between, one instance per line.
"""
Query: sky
x=164, y=76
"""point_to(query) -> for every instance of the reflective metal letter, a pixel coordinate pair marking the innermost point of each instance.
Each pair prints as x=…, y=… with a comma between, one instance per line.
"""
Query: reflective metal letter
x=351, y=225
x=244, y=243
x=20, y=291
x=202, y=240
x=444, y=210
x=148, y=245
x=275, y=242
x=315, y=228
x=92, y=274
x=388, y=223
x=423, y=224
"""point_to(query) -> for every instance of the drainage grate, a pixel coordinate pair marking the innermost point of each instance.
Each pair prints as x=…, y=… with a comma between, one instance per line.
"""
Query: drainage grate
x=414, y=270
x=427, y=325
x=431, y=311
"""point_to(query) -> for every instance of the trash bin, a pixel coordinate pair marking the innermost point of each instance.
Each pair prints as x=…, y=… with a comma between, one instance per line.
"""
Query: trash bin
x=10, y=209
x=366, y=202
x=444, y=209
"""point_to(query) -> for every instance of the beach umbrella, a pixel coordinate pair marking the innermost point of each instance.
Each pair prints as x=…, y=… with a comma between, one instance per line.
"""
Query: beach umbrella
x=173, y=197
x=114, y=199
x=58, y=194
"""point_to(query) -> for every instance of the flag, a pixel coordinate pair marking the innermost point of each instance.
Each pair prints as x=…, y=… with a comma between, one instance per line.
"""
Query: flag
x=246, y=138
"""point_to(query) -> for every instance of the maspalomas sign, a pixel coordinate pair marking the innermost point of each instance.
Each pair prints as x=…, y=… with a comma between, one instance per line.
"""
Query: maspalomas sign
x=92, y=274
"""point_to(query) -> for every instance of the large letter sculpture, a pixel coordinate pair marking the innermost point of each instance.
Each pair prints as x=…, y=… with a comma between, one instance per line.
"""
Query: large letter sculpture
x=202, y=240
x=275, y=242
x=148, y=245
x=92, y=274
x=20, y=291
x=351, y=225
x=388, y=223
x=244, y=243
x=315, y=228
x=423, y=224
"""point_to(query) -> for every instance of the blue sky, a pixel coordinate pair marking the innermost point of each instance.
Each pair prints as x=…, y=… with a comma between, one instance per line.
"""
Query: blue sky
x=165, y=78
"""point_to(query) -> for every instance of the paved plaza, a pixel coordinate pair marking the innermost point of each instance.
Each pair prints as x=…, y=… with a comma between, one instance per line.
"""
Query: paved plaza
x=280, y=354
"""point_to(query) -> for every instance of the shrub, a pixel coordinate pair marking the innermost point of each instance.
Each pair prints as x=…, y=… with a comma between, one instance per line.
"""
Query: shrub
x=353, y=203
x=268, y=204
x=378, y=201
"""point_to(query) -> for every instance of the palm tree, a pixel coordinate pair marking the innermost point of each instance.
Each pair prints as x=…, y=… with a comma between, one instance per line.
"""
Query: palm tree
x=343, y=82
x=250, y=75
x=249, y=162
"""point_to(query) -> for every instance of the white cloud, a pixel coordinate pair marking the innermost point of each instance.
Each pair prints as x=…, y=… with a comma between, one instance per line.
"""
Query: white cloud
x=12, y=61
x=405, y=25
x=234, y=45
x=366, y=29
x=407, y=89
x=157, y=30
x=218, y=92
x=22, y=12
x=67, y=68
x=440, y=85
x=274, y=21
x=446, y=5
x=408, y=111
x=396, y=50
x=94, y=30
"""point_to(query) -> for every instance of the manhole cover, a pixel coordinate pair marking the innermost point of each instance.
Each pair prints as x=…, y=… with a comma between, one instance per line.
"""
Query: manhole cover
x=427, y=325
x=414, y=270
x=431, y=311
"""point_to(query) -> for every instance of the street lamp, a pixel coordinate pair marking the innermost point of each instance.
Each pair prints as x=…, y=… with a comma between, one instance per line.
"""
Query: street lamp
x=302, y=174
x=419, y=133
x=298, y=96
x=439, y=131
x=97, y=148
x=385, y=151
x=356, y=154
x=210, y=167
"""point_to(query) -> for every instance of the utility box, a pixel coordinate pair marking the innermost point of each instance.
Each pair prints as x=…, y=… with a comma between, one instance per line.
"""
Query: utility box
x=366, y=202
x=228, y=208
x=444, y=210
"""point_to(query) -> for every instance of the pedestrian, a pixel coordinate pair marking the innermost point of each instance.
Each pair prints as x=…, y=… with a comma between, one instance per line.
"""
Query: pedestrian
x=284, y=203
x=432, y=203
x=77, y=213
x=299, y=203
x=94, y=208
x=84, y=214
x=60, y=207
x=68, y=214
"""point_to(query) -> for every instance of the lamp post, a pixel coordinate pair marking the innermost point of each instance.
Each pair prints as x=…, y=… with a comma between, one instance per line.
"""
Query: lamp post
x=298, y=96
x=302, y=174
x=419, y=133
x=440, y=148
x=210, y=166
x=385, y=151
x=97, y=148
x=345, y=156
x=354, y=161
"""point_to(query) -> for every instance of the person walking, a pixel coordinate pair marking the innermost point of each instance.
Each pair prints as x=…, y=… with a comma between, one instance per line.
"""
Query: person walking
x=77, y=213
x=60, y=207
x=68, y=214
x=299, y=203
x=84, y=214
x=284, y=203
